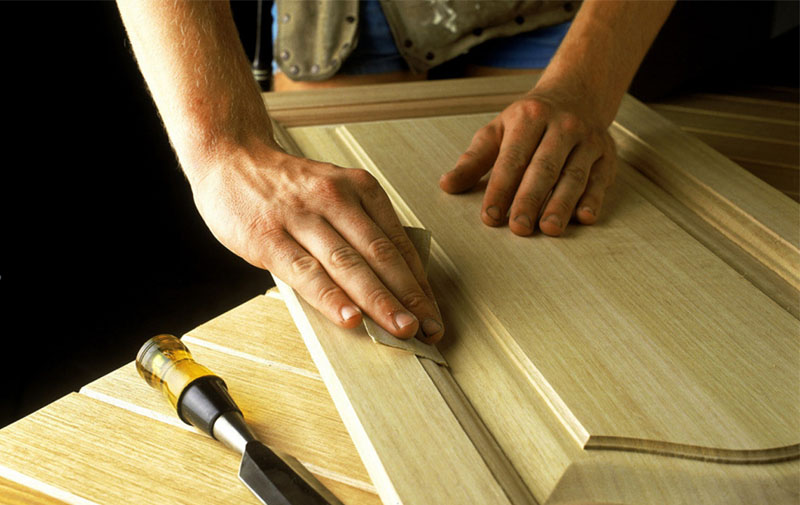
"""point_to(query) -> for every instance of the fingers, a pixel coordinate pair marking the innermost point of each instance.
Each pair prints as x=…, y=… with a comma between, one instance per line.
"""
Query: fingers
x=516, y=149
x=389, y=252
x=347, y=269
x=569, y=188
x=475, y=162
x=601, y=177
x=292, y=263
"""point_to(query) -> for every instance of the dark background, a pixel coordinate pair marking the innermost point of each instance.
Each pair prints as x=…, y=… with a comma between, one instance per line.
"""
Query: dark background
x=101, y=244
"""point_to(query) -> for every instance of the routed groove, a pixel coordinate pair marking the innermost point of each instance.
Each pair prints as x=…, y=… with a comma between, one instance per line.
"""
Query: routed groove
x=491, y=452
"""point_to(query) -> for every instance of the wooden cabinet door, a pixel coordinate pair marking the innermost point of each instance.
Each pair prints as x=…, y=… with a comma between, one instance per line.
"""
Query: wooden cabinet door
x=651, y=358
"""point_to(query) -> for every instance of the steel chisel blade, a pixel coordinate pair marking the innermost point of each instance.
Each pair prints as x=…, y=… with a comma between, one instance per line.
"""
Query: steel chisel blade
x=273, y=481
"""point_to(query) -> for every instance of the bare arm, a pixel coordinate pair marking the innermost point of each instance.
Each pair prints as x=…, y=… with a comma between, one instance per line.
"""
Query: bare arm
x=329, y=232
x=556, y=137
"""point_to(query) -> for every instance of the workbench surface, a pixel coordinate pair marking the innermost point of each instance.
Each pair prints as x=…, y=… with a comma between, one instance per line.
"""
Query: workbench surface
x=118, y=441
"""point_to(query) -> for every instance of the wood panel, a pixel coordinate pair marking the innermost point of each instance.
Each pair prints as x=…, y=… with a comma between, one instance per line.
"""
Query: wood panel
x=768, y=148
x=258, y=351
x=14, y=493
x=413, y=447
x=756, y=108
x=634, y=297
x=746, y=210
x=395, y=101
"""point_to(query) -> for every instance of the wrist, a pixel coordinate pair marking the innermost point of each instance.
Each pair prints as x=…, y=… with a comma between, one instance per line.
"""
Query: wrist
x=214, y=156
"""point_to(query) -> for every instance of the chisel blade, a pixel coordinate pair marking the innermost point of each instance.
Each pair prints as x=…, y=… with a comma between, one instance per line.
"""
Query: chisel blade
x=273, y=481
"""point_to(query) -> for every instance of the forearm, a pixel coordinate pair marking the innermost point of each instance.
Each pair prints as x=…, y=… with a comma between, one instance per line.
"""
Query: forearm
x=603, y=49
x=191, y=57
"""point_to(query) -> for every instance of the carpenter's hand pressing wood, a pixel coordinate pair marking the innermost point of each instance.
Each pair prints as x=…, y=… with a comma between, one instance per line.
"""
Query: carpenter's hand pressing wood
x=550, y=154
x=329, y=232
x=543, y=143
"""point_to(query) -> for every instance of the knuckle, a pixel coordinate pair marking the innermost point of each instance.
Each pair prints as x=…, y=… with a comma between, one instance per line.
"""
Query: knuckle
x=403, y=245
x=560, y=206
x=528, y=201
x=329, y=294
x=328, y=189
x=306, y=266
x=345, y=258
x=382, y=250
x=361, y=176
x=548, y=168
x=532, y=108
x=575, y=173
x=381, y=298
x=514, y=159
x=572, y=125
x=415, y=301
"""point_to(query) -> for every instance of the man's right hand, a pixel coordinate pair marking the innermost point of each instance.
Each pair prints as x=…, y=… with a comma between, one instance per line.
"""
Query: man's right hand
x=329, y=232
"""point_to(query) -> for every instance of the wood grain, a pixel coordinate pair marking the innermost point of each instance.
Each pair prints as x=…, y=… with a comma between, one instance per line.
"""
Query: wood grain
x=755, y=108
x=259, y=353
x=396, y=101
x=637, y=259
x=14, y=493
x=296, y=416
x=749, y=212
x=687, y=322
x=413, y=447
x=143, y=459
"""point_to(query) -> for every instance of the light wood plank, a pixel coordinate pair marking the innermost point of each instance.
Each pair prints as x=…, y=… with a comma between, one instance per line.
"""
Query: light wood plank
x=255, y=348
x=637, y=258
x=395, y=101
x=535, y=436
x=742, y=106
x=687, y=117
x=746, y=146
x=755, y=216
x=13, y=493
x=119, y=457
x=412, y=445
x=259, y=330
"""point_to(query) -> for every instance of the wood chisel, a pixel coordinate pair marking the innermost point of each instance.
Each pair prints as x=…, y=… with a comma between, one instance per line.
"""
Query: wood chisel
x=201, y=399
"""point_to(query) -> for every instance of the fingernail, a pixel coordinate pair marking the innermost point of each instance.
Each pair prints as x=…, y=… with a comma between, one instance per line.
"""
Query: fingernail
x=431, y=327
x=523, y=220
x=553, y=219
x=493, y=212
x=588, y=210
x=348, y=312
x=403, y=319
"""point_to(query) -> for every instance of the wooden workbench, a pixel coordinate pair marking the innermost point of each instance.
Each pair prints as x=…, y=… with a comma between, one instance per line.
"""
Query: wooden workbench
x=117, y=441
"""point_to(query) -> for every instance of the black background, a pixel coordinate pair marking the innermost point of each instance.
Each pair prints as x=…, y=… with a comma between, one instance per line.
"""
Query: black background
x=101, y=245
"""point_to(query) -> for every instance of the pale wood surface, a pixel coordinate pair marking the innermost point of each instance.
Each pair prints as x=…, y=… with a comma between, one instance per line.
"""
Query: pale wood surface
x=598, y=282
x=14, y=493
x=746, y=210
x=414, y=449
x=43, y=457
x=764, y=142
x=257, y=350
x=395, y=101
x=637, y=336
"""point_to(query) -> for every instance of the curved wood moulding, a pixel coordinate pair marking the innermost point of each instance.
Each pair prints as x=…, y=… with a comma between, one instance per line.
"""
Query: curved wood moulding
x=629, y=263
x=654, y=345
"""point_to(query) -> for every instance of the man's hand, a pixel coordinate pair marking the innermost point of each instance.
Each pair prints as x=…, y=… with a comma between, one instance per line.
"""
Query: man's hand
x=329, y=232
x=550, y=153
x=548, y=158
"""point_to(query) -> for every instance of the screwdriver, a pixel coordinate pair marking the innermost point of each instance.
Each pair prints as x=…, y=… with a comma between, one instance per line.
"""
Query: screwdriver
x=201, y=399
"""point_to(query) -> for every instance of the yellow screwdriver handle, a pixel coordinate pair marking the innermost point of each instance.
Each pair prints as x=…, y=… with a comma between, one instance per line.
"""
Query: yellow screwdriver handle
x=166, y=364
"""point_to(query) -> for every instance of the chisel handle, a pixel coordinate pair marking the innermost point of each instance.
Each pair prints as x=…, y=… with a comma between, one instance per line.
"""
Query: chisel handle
x=195, y=392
